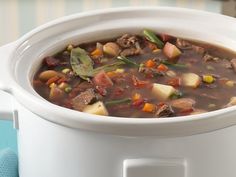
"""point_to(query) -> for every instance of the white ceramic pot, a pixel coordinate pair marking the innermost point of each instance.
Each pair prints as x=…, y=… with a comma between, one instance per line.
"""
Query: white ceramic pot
x=57, y=142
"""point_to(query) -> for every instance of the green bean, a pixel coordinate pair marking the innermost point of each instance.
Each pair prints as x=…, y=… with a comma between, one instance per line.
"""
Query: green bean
x=121, y=101
x=151, y=36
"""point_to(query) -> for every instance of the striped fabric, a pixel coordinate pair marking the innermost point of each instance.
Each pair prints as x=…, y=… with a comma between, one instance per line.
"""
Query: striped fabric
x=20, y=16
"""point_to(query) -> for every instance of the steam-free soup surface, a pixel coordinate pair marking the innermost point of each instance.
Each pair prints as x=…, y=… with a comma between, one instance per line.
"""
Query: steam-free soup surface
x=141, y=75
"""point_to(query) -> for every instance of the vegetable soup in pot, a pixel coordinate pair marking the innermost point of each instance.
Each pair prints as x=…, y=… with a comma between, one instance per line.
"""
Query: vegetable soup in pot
x=140, y=75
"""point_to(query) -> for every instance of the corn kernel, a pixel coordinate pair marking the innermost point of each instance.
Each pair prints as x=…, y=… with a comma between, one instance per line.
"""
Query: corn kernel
x=156, y=50
x=52, y=85
x=66, y=70
x=136, y=96
x=211, y=105
x=68, y=89
x=111, y=74
x=230, y=83
x=69, y=47
x=208, y=79
x=209, y=67
x=120, y=70
x=171, y=73
x=63, y=85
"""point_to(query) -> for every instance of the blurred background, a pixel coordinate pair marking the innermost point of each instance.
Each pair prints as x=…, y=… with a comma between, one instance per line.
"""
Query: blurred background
x=18, y=17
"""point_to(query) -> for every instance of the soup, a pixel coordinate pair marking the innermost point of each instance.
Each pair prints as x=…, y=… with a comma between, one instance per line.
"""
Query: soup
x=148, y=75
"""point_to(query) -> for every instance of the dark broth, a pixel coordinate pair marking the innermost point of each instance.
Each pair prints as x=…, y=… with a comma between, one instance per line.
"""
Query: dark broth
x=128, y=90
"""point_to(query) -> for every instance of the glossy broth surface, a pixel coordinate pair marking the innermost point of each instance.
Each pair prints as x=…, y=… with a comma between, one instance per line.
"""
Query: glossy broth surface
x=140, y=75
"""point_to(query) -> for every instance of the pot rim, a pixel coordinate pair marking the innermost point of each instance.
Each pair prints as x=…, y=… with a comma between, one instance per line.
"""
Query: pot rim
x=76, y=119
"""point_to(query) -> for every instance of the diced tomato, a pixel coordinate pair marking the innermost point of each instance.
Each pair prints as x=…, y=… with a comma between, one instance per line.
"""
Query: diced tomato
x=101, y=79
x=51, y=61
x=152, y=46
x=175, y=82
x=38, y=83
x=138, y=103
x=67, y=103
x=185, y=112
x=102, y=91
x=118, y=91
x=63, y=79
x=162, y=67
x=53, y=79
x=166, y=37
x=139, y=83
x=160, y=104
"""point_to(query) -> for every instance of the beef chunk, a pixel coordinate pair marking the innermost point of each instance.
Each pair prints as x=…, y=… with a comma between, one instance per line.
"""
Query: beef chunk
x=207, y=57
x=184, y=45
x=226, y=63
x=213, y=97
x=83, y=99
x=127, y=40
x=164, y=111
x=51, y=61
x=151, y=71
x=84, y=86
x=232, y=102
x=130, y=52
x=183, y=103
x=198, y=49
x=233, y=63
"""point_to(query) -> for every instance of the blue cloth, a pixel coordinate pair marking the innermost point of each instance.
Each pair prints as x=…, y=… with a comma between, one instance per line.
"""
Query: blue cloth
x=8, y=163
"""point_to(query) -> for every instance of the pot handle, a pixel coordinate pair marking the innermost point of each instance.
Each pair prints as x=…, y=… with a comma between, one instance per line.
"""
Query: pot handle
x=155, y=167
x=5, y=52
x=6, y=99
x=6, y=106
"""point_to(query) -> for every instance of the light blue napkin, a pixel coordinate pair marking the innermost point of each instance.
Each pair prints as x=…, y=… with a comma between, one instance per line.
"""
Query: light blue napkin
x=8, y=163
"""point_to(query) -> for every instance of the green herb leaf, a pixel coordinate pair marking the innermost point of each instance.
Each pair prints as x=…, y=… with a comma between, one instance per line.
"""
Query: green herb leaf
x=151, y=36
x=128, y=61
x=178, y=65
x=176, y=95
x=81, y=63
x=121, y=101
x=108, y=67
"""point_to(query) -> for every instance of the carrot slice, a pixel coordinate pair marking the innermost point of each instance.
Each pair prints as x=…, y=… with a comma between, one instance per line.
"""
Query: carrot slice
x=150, y=63
x=96, y=53
x=162, y=67
x=148, y=107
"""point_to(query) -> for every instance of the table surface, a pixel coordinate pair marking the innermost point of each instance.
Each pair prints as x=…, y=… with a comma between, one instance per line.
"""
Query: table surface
x=17, y=17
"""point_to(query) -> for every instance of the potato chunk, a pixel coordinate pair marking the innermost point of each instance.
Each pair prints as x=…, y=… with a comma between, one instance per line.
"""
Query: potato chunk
x=96, y=108
x=191, y=80
x=232, y=102
x=171, y=51
x=162, y=92
x=198, y=111
x=111, y=48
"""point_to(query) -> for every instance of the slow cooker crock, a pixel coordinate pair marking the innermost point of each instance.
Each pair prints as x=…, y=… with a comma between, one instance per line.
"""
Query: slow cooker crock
x=55, y=141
